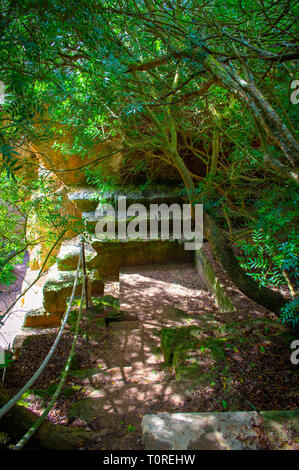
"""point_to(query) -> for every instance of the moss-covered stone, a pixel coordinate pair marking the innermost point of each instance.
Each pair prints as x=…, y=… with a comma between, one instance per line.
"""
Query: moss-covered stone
x=87, y=409
x=113, y=254
x=68, y=392
x=108, y=307
x=193, y=357
x=110, y=301
x=67, y=259
x=209, y=277
x=101, y=323
x=170, y=338
x=59, y=285
x=107, y=256
x=40, y=318
x=174, y=312
x=75, y=362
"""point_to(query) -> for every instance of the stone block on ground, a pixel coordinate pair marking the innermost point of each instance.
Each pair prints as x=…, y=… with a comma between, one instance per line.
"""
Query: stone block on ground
x=194, y=356
x=202, y=431
x=40, y=318
x=59, y=284
x=68, y=255
x=114, y=254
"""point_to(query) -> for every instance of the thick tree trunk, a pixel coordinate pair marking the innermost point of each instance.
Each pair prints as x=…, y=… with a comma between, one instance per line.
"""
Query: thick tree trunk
x=223, y=252
x=49, y=436
x=225, y=255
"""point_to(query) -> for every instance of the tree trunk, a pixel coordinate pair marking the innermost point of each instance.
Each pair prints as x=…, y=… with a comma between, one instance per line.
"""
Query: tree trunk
x=223, y=252
x=258, y=106
x=49, y=436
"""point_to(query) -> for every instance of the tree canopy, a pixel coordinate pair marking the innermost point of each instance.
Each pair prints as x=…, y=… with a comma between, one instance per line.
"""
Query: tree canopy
x=173, y=82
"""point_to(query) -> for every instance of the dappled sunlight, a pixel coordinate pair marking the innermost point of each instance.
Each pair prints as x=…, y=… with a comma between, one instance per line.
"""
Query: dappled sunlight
x=155, y=292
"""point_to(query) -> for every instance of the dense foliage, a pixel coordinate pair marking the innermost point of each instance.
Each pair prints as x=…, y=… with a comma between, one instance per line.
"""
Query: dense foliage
x=30, y=216
x=175, y=83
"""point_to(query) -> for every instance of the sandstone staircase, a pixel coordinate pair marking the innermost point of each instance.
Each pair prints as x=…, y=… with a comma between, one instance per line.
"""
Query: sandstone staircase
x=161, y=288
x=104, y=258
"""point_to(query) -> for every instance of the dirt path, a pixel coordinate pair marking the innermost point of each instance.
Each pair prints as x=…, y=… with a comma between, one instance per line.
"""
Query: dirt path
x=131, y=381
x=118, y=373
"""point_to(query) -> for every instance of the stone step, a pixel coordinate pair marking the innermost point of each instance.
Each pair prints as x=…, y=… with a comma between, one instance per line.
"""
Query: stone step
x=87, y=199
x=107, y=256
x=232, y=430
x=40, y=318
x=137, y=373
x=134, y=399
x=92, y=218
x=202, y=431
x=68, y=256
x=59, y=285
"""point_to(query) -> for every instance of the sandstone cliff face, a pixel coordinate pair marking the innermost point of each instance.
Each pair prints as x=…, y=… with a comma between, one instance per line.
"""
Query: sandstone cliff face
x=71, y=170
x=39, y=232
x=66, y=173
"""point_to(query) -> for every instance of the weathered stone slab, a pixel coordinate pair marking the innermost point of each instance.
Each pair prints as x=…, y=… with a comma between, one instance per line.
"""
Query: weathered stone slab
x=193, y=356
x=201, y=431
x=26, y=335
x=209, y=277
x=59, y=284
x=113, y=254
x=40, y=318
x=92, y=218
x=69, y=252
x=156, y=194
x=107, y=256
x=85, y=198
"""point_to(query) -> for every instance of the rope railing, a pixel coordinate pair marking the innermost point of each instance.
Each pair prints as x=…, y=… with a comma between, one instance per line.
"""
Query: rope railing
x=23, y=441
x=43, y=365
